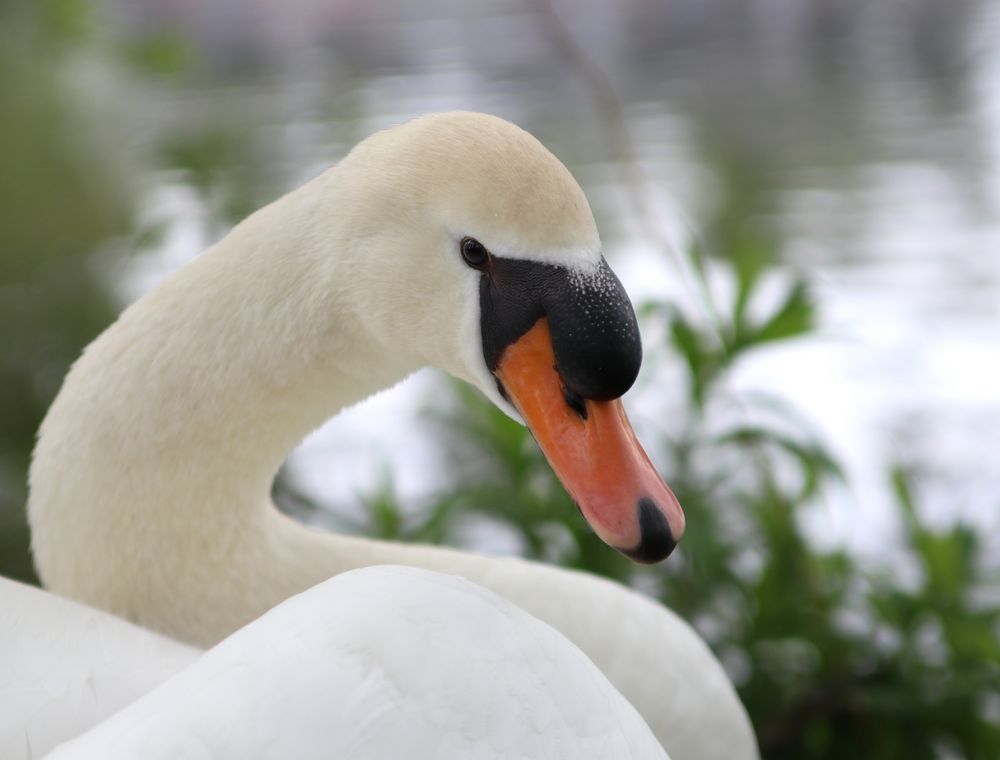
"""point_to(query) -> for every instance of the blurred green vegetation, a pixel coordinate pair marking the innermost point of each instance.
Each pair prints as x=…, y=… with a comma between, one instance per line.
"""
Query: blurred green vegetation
x=830, y=657
x=68, y=212
x=61, y=202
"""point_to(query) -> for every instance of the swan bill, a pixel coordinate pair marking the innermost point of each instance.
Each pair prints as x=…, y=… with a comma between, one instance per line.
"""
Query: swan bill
x=593, y=450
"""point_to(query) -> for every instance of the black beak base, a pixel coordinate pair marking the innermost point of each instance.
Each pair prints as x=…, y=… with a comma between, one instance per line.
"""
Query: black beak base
x=595, y=336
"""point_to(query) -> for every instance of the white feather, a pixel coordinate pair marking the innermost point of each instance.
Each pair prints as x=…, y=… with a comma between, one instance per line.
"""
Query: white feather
x=331, y=673
x=65, y=667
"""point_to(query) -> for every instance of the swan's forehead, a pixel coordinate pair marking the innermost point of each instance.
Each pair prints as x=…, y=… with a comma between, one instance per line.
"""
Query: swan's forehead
x=484, y=177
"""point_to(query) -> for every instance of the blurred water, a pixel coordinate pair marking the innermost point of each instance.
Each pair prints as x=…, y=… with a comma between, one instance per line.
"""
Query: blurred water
x=867, y=136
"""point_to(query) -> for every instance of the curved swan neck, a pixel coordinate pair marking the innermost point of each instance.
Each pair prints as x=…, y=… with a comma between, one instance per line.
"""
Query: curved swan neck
x=168, y=431
x=242, y=353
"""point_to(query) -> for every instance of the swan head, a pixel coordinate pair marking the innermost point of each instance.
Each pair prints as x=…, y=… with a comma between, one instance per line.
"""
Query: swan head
x=488, y=265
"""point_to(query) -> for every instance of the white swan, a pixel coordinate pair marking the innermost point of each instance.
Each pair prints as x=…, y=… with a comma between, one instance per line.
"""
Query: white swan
x=455, y=240
x=329, y=674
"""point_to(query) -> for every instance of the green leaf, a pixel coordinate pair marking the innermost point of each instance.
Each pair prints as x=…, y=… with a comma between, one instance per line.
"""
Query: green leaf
x=794, y=317
x=703, y=363
x=815, y=463
x=750, y=261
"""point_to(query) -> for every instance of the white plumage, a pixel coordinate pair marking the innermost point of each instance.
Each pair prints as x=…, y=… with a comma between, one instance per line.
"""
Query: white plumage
x=384, y=662
x=150, y=484
x=65, y=667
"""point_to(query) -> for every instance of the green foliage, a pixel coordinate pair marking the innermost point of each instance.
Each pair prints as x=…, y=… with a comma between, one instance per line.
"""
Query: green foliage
x=68, y=211
x=164, y=53
x=381, y=513
x=62, y=202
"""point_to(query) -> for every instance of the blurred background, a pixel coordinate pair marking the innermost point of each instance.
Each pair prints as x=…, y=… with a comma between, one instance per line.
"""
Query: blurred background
x=802, y=197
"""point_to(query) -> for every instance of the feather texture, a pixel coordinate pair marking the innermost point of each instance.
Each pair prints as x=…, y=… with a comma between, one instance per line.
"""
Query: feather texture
x=379, y=663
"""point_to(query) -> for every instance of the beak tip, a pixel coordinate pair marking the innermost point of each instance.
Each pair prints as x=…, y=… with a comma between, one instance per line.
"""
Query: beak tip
x=656, y=540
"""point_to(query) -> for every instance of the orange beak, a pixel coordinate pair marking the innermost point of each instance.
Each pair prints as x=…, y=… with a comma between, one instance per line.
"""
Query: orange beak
x=593, y=450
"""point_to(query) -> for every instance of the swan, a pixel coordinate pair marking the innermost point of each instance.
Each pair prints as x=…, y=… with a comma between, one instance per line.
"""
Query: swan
x=299, y=682
x=454, y=240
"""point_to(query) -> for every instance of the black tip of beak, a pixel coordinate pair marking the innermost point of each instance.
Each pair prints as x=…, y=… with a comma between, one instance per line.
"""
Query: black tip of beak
x=656, y=542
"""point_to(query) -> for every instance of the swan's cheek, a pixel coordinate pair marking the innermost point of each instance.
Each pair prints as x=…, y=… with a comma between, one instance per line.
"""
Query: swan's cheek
x=471, y=366
x=594, y=451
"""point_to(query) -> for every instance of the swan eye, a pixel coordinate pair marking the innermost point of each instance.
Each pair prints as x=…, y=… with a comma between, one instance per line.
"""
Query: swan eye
x=474, y=253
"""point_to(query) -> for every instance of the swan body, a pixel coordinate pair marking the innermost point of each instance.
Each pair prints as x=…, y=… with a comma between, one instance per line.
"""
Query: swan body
x=65, y=667
x=332, y=672
x=150, y=483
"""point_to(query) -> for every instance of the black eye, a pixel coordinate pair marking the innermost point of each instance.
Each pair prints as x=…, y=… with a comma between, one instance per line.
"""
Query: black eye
x=474, y=253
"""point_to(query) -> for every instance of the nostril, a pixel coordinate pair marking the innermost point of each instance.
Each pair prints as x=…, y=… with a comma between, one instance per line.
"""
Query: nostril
x=656, y=541
x=575, y=402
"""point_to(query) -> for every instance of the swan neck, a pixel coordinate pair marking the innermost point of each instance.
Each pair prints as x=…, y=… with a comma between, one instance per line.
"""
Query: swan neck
x=168, y=431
